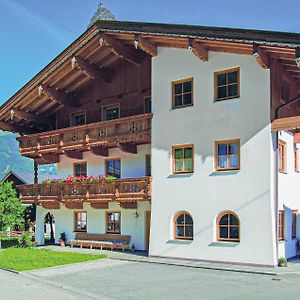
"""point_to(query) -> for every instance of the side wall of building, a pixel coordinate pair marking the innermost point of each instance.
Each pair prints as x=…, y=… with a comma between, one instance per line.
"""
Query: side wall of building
x=132, y=165
x=206, y=193
x=288, y=197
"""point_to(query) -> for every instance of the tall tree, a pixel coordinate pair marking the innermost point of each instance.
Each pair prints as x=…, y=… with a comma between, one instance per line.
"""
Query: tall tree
x=11, y=208
x=101, y=13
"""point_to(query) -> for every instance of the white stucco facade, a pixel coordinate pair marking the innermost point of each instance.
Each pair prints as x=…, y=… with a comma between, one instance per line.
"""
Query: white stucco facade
x=206, y=193
x=288, y=197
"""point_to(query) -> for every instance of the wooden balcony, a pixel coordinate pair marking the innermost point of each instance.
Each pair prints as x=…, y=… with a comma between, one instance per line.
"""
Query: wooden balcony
x=127, y=192
x=125, y=133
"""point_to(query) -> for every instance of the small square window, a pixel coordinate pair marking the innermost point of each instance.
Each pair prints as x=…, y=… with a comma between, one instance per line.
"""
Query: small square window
x=80, y=169
x=183, y=159
x=227, y=155
x=78, y=119
x=113, y=168
x=227, y=84
x=182, y=93
x=110, y=113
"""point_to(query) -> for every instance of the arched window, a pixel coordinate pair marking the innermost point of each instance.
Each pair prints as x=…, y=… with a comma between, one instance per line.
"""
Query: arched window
x=183, y=225
x=228, y=227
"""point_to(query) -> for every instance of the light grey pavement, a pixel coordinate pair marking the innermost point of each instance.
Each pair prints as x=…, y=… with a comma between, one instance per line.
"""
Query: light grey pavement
x=137, y=280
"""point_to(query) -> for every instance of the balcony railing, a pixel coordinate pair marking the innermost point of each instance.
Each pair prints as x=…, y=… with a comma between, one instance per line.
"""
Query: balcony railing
x=107, y=134
x=125, y=191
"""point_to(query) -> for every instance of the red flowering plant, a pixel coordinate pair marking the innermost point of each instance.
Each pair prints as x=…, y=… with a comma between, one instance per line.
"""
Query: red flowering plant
x=79, y=179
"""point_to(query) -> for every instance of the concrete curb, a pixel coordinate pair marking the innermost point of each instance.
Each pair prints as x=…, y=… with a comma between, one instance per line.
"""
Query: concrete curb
x=199, y=266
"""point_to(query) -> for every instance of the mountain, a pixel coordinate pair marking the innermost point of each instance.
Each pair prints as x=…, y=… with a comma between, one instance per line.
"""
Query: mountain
x=12, y=160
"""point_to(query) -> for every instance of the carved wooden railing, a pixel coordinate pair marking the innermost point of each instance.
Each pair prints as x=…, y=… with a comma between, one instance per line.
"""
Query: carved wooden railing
x=135, y=130
x=104, y=191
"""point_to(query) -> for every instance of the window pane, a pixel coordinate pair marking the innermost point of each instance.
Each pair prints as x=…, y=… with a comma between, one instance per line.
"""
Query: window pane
x=188, y=153
x=233, y=162
x=189, y=231
x=234, y=220
x=178, y=100
x=233, y=77
x=188, y=219
x=222, y=149
x=179, y=231
x=178, y=165
x=83, y=217
x=221, y=79
x=234, y=232
x=223, y=232
x=187, y=99
x=224, y=220
x=233, y=148
x=180, y=219
x=188, y=165
x=178, y=153
x=222, y=92
x=178, y=88
x=187, y=86
x=222, y=162
x=112, y=113
x=232, y=90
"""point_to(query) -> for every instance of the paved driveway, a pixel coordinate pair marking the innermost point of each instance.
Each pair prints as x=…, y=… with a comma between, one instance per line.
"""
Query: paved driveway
x=111, y=279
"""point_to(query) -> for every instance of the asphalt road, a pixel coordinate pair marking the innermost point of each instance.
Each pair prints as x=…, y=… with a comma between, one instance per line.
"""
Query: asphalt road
x=136, y=280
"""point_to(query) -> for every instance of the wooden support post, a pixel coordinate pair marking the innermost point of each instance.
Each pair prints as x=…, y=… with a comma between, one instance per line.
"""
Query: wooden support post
x=261, y=57
x=197, y=49
x=36, y=169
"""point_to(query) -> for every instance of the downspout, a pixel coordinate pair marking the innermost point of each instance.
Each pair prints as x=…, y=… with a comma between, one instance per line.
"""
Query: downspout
x=277, y=114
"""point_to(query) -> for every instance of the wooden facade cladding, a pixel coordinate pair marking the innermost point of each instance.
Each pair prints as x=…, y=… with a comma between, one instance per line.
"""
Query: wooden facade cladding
x=95, y=137
x=124, y=191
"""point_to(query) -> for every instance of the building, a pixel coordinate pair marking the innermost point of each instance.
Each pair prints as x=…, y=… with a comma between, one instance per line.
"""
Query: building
x=210, y=113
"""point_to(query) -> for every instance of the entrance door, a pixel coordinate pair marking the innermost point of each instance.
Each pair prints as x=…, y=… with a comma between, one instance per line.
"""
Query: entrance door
x=147, y=228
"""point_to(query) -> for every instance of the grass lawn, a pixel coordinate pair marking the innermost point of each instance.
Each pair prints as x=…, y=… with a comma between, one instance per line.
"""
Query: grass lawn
x=22, y=259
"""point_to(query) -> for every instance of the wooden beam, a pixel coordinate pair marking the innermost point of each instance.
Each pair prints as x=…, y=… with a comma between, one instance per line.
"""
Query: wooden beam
x=289, y=123
x=197, y=49
x=145, y=45
x=119, y=49
x=261, y=57
x=74, y=154
x=100, y=151
x=58, y=96
x=297, y=56
x=16, y=128
x=91, y=70
x=129, y=148
x=45, y=159
x=30, y=116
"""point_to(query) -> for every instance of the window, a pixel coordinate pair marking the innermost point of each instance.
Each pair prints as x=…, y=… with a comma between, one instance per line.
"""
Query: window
x=80, y=221
x=78, y=118
x=111, y=112
x=148, y=165
x=183, y=159
x=281, y=225
x=148, y=105
x=296, y=150
x=113, y=168
x=183, y=225
x=227, y=84
x=80, y=169
x=282, y=156
x=294, y=224
x=182, y=93
x=228, y=226
x=227, y=155
x=113, y=222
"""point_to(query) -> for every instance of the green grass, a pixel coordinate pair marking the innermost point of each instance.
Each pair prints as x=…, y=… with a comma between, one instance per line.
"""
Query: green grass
x=22, y=259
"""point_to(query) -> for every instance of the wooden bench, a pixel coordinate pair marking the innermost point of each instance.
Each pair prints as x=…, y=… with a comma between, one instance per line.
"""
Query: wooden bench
x=102, y=241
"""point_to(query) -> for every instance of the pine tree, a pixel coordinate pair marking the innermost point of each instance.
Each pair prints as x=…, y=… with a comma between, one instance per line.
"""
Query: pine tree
x=102, y=13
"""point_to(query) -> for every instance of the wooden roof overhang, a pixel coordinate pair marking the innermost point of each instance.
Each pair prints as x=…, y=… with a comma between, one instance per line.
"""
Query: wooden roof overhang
x=95, y=53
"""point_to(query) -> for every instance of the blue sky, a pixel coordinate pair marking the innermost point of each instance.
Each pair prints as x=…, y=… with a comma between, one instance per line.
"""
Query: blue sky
x=33, y=32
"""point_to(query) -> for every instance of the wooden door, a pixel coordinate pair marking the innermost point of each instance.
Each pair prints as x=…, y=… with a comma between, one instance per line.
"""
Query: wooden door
x=147, y=228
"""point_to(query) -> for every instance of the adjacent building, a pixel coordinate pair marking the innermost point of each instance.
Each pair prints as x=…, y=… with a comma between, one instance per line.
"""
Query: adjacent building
x=183, y=137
